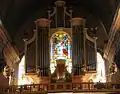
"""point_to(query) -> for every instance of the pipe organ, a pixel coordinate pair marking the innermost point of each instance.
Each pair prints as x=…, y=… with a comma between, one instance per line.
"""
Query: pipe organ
x=77, y=45
x=71, y=44
x=37, y=49
x=91, y=55
x=30, y=55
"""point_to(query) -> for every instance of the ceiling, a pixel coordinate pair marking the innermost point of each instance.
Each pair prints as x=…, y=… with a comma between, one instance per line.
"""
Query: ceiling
x=18, y=16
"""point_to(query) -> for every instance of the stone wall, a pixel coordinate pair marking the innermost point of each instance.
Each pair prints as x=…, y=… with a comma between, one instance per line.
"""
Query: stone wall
x=112, y=45
x=9, y=51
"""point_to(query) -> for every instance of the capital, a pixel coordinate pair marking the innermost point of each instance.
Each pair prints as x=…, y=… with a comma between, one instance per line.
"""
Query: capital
x=42, y=22
x=77, y=21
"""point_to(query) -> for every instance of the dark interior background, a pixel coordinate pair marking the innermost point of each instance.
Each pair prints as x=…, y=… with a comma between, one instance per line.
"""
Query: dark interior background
x=18, y=17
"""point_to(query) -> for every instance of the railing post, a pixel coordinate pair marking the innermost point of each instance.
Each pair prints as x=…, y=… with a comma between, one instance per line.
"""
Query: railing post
x=88, y=85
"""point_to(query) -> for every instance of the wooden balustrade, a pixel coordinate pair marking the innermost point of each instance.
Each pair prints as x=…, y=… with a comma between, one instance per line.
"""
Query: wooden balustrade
x=65, y=87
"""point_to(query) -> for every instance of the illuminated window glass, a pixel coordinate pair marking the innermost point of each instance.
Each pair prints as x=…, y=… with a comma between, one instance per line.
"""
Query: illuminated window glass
x=100, y=75
x=22, y=80
x=60, y=49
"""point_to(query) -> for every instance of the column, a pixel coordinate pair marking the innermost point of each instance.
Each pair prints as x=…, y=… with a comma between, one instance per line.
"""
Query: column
x=77, y=45
x=42, y=46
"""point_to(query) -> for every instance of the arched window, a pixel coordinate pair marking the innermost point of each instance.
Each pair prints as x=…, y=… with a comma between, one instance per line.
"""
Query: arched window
x=60, y=49
x=101, y=76
x=22, y=80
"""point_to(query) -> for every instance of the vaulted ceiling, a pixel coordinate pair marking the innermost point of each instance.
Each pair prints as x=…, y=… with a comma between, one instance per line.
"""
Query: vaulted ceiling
x=19, y=15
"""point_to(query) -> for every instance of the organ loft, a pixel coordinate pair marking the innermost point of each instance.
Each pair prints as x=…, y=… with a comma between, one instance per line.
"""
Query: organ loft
x=60, y=50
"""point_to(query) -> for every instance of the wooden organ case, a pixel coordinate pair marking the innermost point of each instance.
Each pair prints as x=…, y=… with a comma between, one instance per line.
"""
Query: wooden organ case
x=83, y=47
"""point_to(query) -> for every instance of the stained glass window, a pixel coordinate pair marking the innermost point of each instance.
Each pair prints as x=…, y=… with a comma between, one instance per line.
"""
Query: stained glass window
x=60, y=49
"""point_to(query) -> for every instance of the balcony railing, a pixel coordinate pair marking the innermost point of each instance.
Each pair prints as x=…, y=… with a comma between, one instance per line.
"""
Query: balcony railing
x=64, y=87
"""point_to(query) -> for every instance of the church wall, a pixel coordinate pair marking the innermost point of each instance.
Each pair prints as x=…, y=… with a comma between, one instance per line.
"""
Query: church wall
x=112, y=47
x=10, y=55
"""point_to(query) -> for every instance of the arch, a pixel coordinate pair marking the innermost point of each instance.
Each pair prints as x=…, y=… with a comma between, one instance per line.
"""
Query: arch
x=60, y=48
x=22, y=79
x=60, y=31
x=101, y=74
